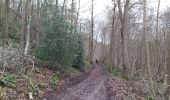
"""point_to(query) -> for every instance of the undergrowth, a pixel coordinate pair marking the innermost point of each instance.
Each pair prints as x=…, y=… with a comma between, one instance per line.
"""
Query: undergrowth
x=118, y=73
x=8, y=81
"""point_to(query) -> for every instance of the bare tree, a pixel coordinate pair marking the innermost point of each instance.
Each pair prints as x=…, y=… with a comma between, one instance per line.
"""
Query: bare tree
x=63, y=6
x=72, y=16
x=25, y=35
x=6, y=19
x=77, y=17
x=38, y=34
x=112, y=36
x=28, y=37
x=157, y=22
x=91, y=44
x=124, y=28
x=147, y=49
x=167, y=75
x=56, y=4
x=20, y=6
x=24, y=21
x=146, y=41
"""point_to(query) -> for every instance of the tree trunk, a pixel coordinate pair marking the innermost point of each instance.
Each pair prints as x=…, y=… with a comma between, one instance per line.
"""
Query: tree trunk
x=64, y=3
x=6, y=20
x=147, y=50
x=92, y=34
x=124, y=29
x=157, y=22
x=26, y=18
x=56, y=4
x=28, y=37
x=19, y=8
x=77, y=16
x=72, y=16
x=24, y=22
x=112, y=38
x=38, y=34
x=157, y=57
x=167, y=74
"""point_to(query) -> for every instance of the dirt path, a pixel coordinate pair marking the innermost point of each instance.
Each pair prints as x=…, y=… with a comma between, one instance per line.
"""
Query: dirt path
x=93, y=88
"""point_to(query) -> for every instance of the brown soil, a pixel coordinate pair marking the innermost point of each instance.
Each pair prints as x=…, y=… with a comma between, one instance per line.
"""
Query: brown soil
x=92, y=88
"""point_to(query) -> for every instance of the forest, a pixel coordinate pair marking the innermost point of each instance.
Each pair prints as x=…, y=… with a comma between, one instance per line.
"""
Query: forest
x=57, y=50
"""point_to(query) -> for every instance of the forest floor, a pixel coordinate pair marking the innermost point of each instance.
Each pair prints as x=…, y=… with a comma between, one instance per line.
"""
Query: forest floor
x=99, y=85
x=38, y=82
x=68, y=84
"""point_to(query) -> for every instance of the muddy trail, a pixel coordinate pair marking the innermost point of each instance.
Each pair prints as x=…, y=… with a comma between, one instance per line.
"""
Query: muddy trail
x=92, y=88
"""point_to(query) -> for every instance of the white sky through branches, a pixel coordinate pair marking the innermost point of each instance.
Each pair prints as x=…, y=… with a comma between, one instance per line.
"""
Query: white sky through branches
x=100, y=6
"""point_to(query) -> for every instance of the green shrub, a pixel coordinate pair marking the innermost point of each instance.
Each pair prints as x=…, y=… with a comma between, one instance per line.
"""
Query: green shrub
x=8, y=81
x=78, y=62
x=126, y=78
x=42, y=85
x=54, y=80
x=114, y=71
x=149, y=98
x=59, y=45
x=35, y=86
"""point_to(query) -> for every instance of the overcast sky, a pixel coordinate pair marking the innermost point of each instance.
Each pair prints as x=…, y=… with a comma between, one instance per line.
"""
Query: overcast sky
x=100, y=6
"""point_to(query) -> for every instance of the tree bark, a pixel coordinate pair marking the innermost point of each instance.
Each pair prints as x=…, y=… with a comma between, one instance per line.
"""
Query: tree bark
x=6, y=20
x=147, y=50
x=26, y=18
x=157, y=22
x=112, y=37
x=124, y=28
x=24, y=23
x=56, y=4
x=64, y=3
x=72, y=16
x=20, y=6
x=77, y=16
x=92, y=33
x=28, y=37
x=38, y=34
x=167, y=74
